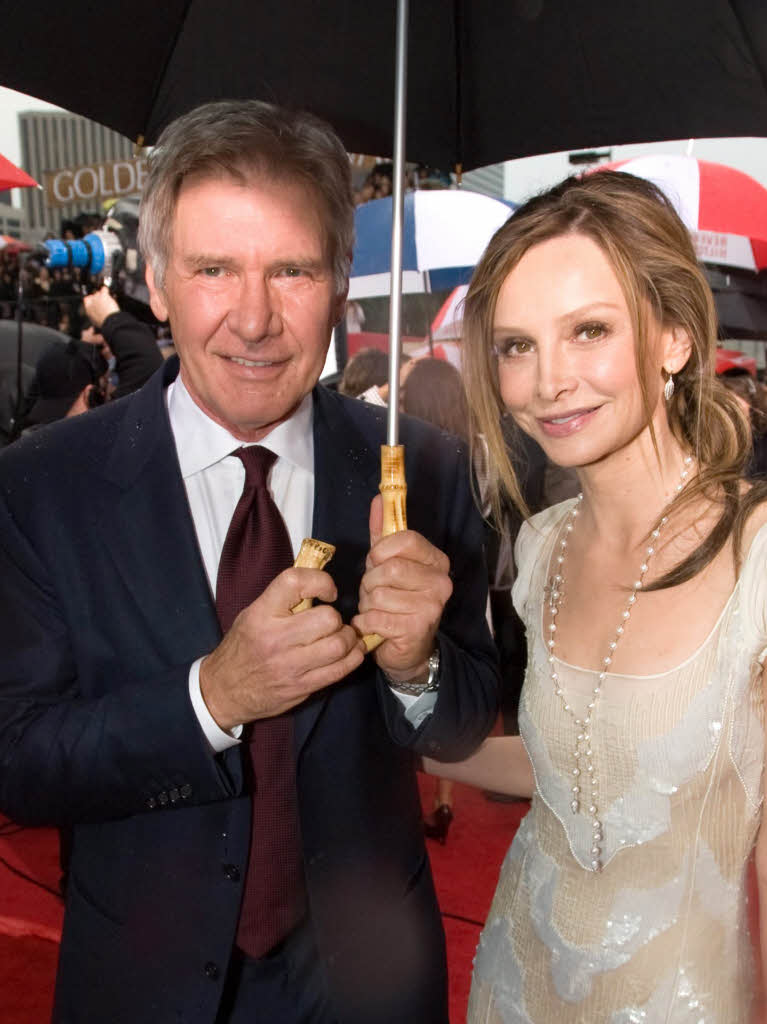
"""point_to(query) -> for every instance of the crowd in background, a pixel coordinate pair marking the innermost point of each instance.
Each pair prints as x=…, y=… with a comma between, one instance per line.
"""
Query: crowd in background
x=378, y=183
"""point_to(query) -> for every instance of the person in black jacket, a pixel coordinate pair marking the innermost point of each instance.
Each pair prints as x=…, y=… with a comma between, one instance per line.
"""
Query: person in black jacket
x=132, y=343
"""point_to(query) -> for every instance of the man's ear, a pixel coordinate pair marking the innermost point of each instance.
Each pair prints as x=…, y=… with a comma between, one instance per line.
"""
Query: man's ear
x=156, y=299
x=677, y=347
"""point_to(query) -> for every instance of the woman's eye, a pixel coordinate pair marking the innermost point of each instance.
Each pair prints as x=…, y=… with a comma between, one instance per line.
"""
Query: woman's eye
x=591, y=332
x=511, y=348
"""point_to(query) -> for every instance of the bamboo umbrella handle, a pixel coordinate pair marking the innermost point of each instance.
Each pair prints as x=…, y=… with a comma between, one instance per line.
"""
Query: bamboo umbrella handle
x=393, y=488
x=314, y=554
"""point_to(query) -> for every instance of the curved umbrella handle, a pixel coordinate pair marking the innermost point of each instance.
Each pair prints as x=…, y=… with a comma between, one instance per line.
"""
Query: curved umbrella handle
x=314, y=554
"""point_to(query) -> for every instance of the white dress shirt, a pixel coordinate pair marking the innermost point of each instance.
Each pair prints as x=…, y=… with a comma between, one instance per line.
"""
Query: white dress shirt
x=214, y=480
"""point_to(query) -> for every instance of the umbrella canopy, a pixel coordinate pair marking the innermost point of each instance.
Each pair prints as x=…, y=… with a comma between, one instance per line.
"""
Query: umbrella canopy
x=730, y=360
x=444, y=234
x=741, y=302
x=12, y=176
x=449, y=351
x=488, y=81
x=448, y=323
x=12, y=244
x=724, y=209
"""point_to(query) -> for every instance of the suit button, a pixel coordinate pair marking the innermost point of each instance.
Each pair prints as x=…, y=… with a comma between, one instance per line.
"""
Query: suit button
x=151, y=803
x=185, y=791
x=211, y=970
x=174, y=795
x=162, y=798
x=231, y=872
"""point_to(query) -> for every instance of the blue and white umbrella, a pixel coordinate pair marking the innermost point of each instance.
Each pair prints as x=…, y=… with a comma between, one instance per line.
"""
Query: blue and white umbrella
x=444, y=234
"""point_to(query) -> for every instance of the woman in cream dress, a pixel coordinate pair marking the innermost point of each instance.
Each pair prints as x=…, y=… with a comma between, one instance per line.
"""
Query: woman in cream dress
x=622, y=898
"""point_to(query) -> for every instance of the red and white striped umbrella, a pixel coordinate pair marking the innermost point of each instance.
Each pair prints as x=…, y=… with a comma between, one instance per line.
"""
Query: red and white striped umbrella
x=448, y=323
x=12, y=176
x=724, y=209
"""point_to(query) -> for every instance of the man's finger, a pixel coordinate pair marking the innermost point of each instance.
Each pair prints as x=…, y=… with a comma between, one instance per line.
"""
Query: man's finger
x=293, y=585
x=326, y=675
x=331, y=648
x=411, y=545
x=376, y=519
x=405, y=574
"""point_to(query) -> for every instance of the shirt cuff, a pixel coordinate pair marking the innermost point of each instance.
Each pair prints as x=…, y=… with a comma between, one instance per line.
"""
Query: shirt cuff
x=417, y=709
x=218, y=739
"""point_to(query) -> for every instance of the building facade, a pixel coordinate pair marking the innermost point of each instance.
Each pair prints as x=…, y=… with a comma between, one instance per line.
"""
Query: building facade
x=52, y=142
x=12, y=220
x=490, y=181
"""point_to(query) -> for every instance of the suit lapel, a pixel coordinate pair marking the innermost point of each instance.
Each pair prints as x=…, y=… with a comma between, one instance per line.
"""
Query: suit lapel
x=346, y=476
x=150, y=533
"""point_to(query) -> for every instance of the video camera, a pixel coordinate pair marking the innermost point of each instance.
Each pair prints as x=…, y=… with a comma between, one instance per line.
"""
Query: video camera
x=111, y=253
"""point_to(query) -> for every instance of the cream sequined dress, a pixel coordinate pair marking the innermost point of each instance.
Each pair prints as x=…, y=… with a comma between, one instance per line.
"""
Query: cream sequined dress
x=659, y=935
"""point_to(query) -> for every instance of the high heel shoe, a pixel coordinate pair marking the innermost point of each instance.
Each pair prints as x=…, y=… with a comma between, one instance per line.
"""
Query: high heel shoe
x=437, y=824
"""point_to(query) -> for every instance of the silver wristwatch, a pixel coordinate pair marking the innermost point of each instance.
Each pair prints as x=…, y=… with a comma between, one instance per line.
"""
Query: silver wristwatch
x=414, y=689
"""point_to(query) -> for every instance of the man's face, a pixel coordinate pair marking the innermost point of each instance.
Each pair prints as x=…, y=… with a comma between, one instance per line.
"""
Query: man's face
x=250, y=296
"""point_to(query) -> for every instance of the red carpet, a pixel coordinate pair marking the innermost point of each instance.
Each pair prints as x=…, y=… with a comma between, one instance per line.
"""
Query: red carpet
x=465, y=871
x=29, y=869
x=30, y=922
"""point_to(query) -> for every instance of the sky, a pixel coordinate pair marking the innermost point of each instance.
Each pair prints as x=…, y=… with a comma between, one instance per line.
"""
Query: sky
x=11, y=104
x=523, y=177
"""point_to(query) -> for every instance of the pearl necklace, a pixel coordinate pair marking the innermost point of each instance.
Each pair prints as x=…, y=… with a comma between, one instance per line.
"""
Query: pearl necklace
x=583, y=757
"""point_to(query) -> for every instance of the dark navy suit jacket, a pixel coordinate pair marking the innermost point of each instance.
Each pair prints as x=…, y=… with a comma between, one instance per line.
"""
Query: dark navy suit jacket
x=104, y=604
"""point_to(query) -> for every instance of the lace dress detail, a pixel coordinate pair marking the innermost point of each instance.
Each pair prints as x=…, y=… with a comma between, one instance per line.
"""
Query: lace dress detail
x=660, y=934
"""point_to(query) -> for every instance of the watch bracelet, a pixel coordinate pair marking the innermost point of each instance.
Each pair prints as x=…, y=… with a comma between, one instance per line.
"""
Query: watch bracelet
x=413, y=689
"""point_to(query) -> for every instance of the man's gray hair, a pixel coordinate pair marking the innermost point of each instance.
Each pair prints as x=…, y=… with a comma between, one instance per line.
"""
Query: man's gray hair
x=245, y=140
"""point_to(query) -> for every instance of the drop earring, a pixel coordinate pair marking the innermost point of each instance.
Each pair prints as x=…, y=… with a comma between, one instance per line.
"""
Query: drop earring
x=668, y=388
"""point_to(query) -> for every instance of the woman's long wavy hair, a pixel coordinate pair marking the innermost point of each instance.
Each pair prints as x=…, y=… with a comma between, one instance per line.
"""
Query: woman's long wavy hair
x=652, y=255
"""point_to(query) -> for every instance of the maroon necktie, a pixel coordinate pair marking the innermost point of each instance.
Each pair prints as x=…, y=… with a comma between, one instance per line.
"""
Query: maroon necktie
x=256, y=550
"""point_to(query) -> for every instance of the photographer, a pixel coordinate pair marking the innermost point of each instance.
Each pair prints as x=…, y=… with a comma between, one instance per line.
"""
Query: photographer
x=69, y=380
x=132, y=343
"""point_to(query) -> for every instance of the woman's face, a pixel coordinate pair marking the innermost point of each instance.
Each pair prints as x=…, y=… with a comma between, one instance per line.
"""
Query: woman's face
x=566, y=353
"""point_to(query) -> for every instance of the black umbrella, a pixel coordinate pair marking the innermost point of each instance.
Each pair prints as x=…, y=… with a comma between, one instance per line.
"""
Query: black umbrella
x=741, y=302
x=488, y=79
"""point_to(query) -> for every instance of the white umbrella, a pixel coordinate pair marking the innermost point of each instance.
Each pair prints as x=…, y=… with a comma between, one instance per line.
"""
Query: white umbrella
x=444, y=234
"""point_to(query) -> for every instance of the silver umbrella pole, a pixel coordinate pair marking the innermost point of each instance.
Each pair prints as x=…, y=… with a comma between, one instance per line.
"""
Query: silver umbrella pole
x=398, y=216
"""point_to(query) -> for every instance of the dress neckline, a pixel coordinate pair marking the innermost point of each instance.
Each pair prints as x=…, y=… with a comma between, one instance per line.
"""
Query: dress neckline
x=649, y=675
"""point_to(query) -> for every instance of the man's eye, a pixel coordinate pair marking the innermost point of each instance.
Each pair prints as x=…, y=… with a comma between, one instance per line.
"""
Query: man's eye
x=212, y=271
x=511, y=348
x=293, y=272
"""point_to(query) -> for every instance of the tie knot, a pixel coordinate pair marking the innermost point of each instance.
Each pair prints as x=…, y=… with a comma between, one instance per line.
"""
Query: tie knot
x=257, y=462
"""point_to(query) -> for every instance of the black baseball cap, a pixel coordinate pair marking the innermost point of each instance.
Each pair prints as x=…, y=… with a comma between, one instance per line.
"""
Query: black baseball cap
x=61, y=374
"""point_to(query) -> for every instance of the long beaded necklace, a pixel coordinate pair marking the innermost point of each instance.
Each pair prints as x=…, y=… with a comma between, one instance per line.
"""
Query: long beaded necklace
x=585, y=788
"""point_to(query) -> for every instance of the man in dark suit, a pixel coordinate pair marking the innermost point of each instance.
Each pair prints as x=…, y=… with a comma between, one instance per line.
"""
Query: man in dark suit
x=206, y=883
